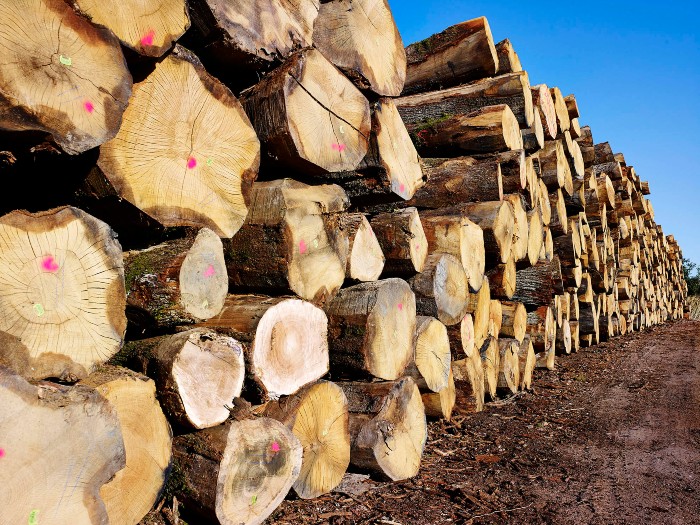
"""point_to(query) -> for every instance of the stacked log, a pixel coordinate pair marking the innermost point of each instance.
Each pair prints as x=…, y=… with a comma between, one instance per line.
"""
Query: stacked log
x=269, y=286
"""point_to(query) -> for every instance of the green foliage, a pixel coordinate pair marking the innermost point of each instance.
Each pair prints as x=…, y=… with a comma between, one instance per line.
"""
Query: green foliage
x=691, y=273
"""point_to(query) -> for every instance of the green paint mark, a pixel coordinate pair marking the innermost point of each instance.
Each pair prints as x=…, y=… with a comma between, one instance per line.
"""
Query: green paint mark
x=33, y=520
x=253, y=500
x=66, y=61
x=39, y=309
x=315, y=243
x=210, y=162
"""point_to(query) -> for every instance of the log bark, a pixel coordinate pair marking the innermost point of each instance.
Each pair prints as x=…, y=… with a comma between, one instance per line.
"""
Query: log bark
x=178, y=282
x=454, y=234
x=371, y=328
x=387, y=427
x=442, y=289
x=362, y=40
x=309, y=117
x=198, y=374
x=461, y=179
x=553, y=165
x=512, y=90
x=172, y=168
x=147, y=443
x=286, y=338
x=563, y=338
x=290, y=241
x=238, y=472
x=509, y=365
x=318, y=417
x=85, y=87
x=535, y=286
x=62, y=308
x=487, y=130
x=402, y=240
x=365, y=260
x=149, y=29
x=78, y=426
x=459, y=54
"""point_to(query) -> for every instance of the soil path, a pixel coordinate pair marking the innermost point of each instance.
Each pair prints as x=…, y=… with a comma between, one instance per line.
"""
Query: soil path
x=611, y=437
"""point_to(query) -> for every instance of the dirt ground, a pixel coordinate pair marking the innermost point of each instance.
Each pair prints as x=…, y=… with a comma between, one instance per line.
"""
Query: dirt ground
x=612, y=436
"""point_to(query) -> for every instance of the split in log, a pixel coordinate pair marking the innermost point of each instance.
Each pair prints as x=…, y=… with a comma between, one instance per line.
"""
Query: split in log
x=238, y=40
x=454, y=234
x=487, y=130
x=509, y=365
x=362, y=40
x=461, y=179
x=371, y=327
x=287, y=243
x=402, y=240
x=63, y=304
x=186, y=153
x=198, y=374
x=309, y=117
x=508, y=60
x=388, y=429
x=542, y=98
x=78, y=95
x=150, y=29
x=365, y=260
x=431, y=362
x=318, y=417
x=47, y=432
x=238, y=472
x=460, y=53
x=512, y=90
x=442, y=289
x=147, y=443
x=286, y=338
x=175, y=283
x=514, y=320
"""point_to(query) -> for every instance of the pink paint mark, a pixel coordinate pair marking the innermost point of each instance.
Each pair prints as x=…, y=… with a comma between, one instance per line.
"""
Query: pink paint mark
x=400, y=306
x=302, y=247
x=49, y=264
x=209, y=271
x=191, y=163
x=402, y=188
x=417, y=246
x=147, y=39
x=88, y=106
x=338, y=147
x=2, y=452
x=275, y=446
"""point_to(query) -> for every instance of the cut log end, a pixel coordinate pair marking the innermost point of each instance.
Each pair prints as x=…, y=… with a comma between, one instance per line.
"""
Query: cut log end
x=432, y=353
x=66, y=301
x=178, y=172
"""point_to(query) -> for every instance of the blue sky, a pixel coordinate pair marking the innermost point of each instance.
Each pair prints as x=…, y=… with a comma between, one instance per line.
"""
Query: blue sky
x=634, y=68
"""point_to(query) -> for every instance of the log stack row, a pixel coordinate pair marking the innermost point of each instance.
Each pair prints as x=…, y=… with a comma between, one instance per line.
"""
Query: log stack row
x=249, y=248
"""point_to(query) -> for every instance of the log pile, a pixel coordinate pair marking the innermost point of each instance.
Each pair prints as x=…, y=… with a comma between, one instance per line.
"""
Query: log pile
x=223, y=287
